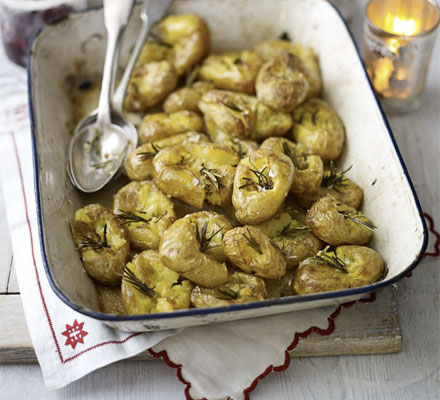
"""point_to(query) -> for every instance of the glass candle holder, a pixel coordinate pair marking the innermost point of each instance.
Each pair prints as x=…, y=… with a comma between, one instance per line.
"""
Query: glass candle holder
x=399, y=37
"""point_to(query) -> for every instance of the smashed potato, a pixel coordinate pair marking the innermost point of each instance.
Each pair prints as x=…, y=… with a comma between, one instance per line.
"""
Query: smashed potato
x=196, y=172
x=346, y=267
x=261, y=184
x=309, y=170
x=102, y=243
x=293, y=238
x=150, y=287
x=252, y=251
x=161, y=125
x=145, y=212
x=336, y=223
x=241, y=288
x=193, y=247
x=139, y=163
x=319, y=129
x=281, y=82
x=235, y=71
x=186, y=98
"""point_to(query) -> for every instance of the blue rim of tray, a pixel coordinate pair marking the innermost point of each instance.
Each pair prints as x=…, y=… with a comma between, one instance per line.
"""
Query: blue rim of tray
x=200, y=312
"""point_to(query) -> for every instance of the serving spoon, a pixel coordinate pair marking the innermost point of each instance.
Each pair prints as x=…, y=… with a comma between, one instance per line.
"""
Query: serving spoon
x=93, y=160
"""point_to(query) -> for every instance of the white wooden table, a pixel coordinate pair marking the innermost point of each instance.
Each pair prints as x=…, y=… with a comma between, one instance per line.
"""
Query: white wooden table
x=412, y=373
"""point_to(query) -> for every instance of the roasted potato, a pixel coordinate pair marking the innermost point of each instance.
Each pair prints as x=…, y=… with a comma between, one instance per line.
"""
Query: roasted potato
x=189, y=37
x=282, y=287
x=241, y=288
x=346, y=267
x=336, y=223
x=150, y=287
x=309, y=170
x=281, y=82
x=186, y=98
x=152, y=52
x=193, y=247
x=196, y=172
x=161, y=125
x=319, y=129
x=261, y=184
x=149, y=84
x=271, y=48
x=102, y=243
x=139, y=163
x=145, y=212
x=336, y=184
x=243, y=148
x=252, y=251
x=235, y=71
x=292, y=237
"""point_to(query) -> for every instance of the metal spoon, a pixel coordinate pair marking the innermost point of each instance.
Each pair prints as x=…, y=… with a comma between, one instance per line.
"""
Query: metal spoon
x=152, y=11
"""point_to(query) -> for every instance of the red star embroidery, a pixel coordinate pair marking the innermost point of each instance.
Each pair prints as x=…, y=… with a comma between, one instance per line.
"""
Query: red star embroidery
x=75, y=334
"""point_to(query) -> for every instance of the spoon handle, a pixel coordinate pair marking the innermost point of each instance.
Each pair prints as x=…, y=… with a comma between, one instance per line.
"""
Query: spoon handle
x=152, y=11
x=116, y=14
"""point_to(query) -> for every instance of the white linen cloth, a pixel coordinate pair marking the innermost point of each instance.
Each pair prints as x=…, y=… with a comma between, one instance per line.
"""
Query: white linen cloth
x=217, y=361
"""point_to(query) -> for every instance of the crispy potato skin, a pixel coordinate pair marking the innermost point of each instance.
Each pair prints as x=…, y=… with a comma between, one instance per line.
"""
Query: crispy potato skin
x=169, y=295
x=161, y=125
x=98, y=224
x=146, y=201
x=139, y=163
x=186, y=98
x=190, y=37
x=271, y=48
x=281, y=82
x=327, y=221
x=364, y=266
x=186, y=173
x=235, y=71
x=149, y=84
x=264, y=261
x=295, y=240
x=241, y=288
x=181, y=252
x=255, y=204
x=319, y=129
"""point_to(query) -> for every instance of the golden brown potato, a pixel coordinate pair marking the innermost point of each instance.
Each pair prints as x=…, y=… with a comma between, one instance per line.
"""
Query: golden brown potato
x=292, y=237
x=189, y=37
x=149, y=85
x=261, y=184
x=152, y=52
x=150, y=287
x=102, y=243
x=187, y=98
x=319, y=129
x=281, y=83
x=145, y=212
x=241, y=288
x=336, y=223
x=193, y=247
x=309, y=170
x=252, y=251
x=235, y=71
x=346, y=267
x=161, y=125
x=336, y=184
x=271, y=48
x=139, y=163
x=243, y=148
x=196, y=172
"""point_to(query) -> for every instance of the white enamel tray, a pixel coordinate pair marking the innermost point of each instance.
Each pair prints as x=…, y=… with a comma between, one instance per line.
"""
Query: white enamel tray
x=76, y=45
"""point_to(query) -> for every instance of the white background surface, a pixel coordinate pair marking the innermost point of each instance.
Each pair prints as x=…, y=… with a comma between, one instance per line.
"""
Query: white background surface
x=413, y=373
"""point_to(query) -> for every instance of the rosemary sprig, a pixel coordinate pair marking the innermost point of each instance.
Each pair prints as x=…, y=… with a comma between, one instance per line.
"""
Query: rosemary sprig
x=239, y=148
x=213, y=178
x=204, y=239
x=88, y=242
x=130, y=277
x=298, y=162
x=252, y=242
x=128, y=217
x=332, y=261
x=359, y=219
x=290, y=229
x=263, y=182
x=147, y=155
x=333, y=178
x=285, y=36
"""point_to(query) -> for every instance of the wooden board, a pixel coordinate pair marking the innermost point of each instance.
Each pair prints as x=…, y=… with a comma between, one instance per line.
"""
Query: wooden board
x=365, y=328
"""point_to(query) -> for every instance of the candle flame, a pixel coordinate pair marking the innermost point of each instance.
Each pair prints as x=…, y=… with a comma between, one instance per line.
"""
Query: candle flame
x=405, y=27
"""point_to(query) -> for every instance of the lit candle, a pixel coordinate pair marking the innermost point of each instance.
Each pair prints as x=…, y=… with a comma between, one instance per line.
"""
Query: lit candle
x=399, y=36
